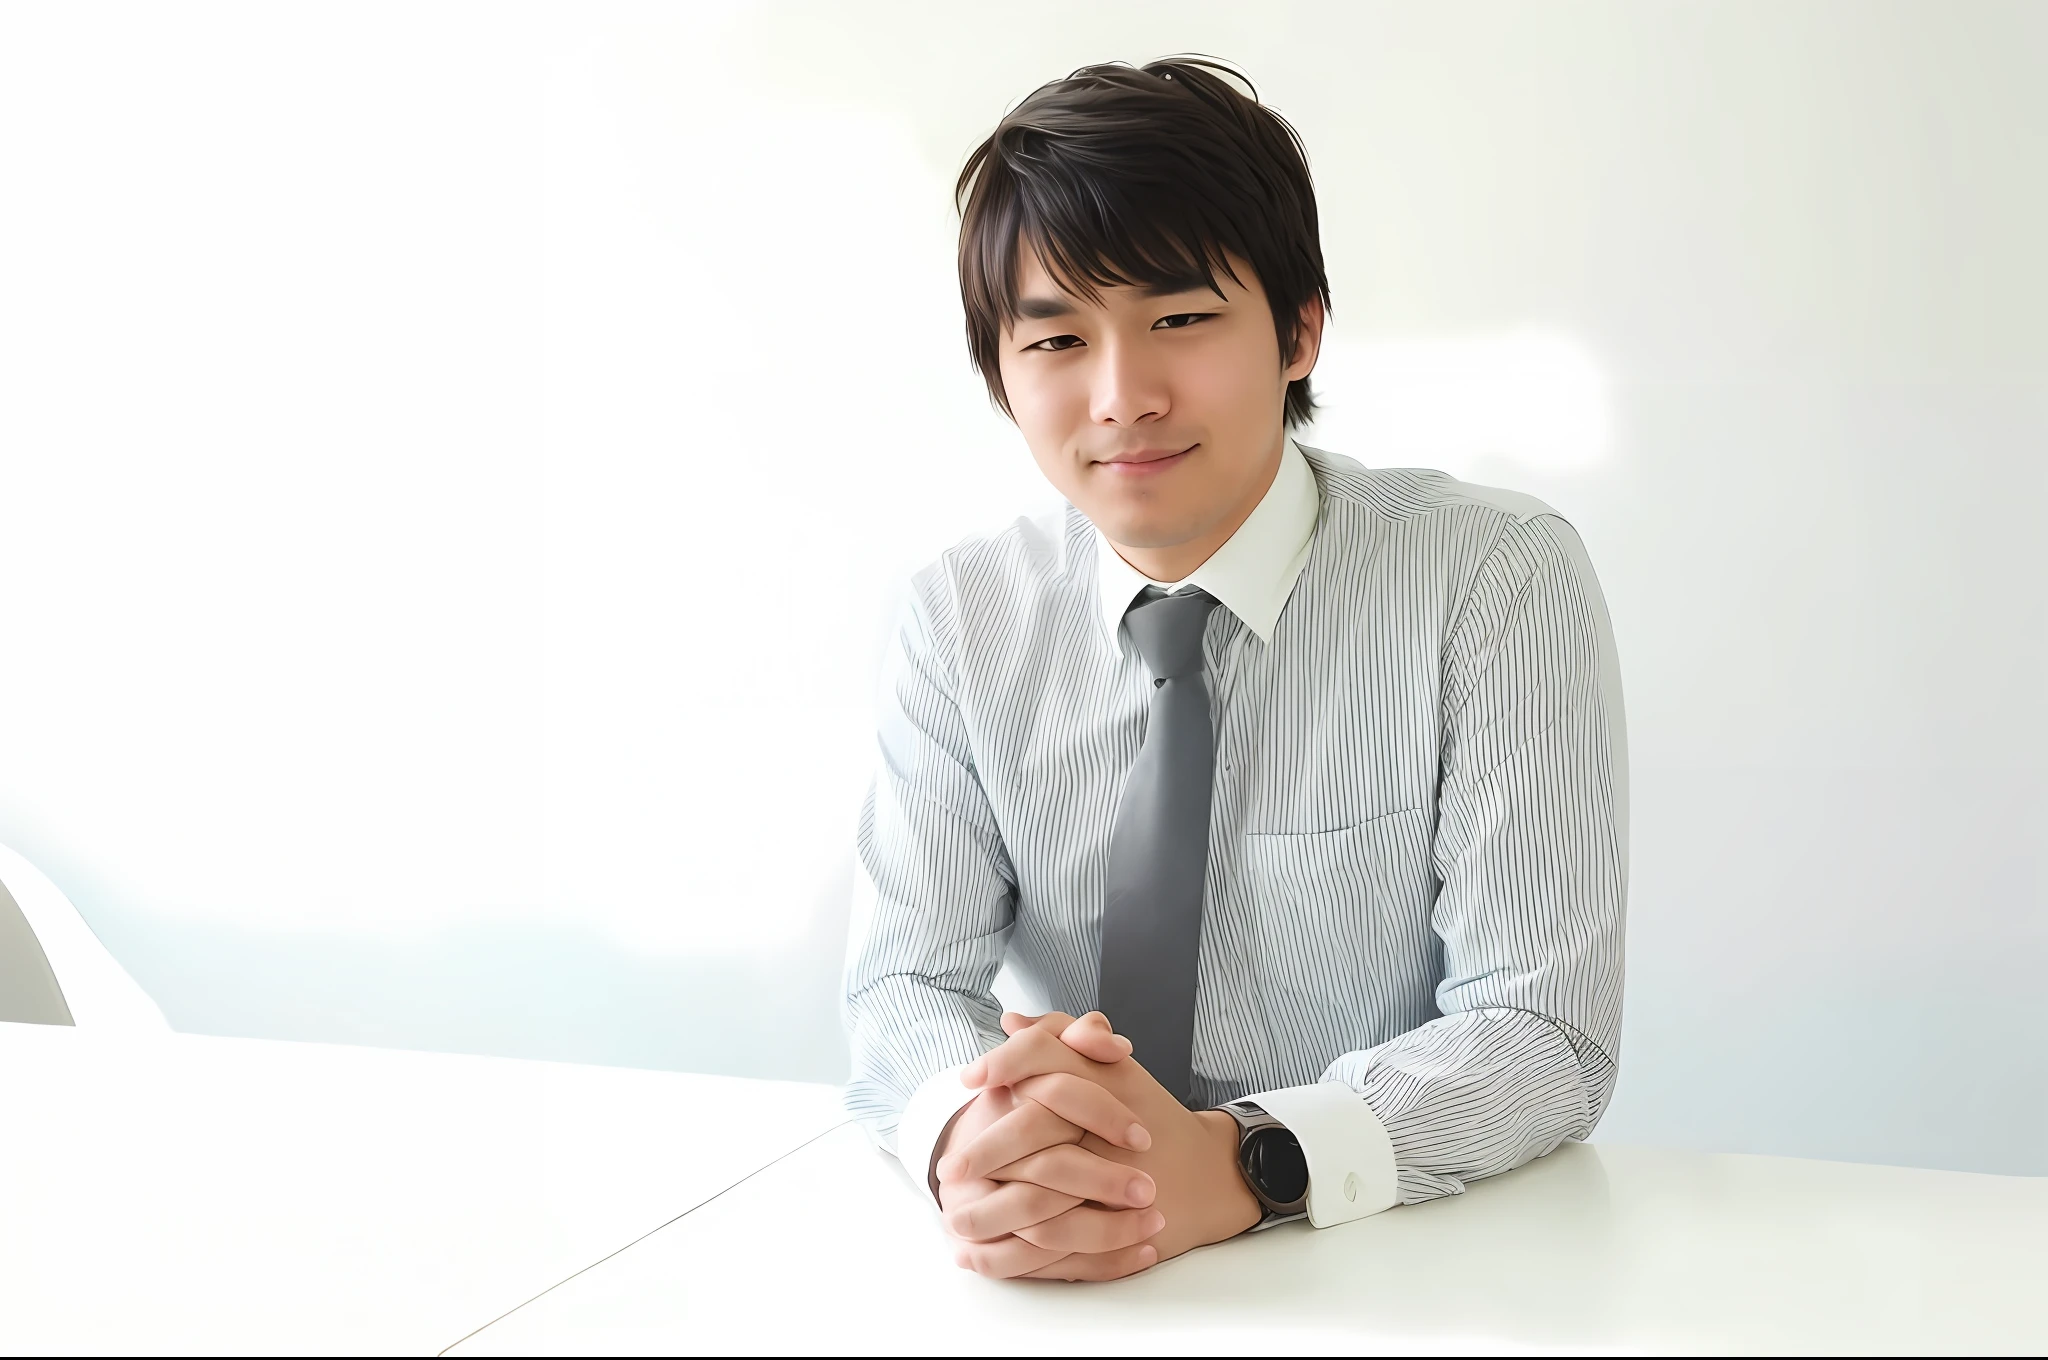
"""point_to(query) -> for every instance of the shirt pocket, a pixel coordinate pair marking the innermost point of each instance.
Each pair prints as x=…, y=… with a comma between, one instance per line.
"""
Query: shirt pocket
x=1342, y=919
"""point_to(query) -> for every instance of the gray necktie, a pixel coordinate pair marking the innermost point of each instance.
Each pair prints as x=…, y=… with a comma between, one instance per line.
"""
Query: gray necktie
x=1159, y=848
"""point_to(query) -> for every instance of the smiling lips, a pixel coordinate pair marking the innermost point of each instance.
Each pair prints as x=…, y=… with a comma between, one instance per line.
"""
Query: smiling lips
x=1146, y=462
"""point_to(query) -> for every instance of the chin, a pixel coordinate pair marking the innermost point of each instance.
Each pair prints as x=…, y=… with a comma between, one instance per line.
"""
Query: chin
x=1142, y=530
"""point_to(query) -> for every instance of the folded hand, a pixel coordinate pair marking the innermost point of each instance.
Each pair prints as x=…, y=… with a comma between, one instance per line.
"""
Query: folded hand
x=1072, y=1214
x=1189, y=1157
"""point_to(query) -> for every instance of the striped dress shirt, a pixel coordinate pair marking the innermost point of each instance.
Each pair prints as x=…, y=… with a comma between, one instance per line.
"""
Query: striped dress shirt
x=1412, y=923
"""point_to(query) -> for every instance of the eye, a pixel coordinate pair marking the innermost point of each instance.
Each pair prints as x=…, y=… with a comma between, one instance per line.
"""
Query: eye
x=1053, y=344
x=1180, y=320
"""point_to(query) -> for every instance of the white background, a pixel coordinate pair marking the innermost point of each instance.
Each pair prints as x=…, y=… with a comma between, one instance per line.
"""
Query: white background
x=455, y=462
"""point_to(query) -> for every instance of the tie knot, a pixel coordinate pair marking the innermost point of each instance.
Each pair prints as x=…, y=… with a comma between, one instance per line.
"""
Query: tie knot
x=1168, y=630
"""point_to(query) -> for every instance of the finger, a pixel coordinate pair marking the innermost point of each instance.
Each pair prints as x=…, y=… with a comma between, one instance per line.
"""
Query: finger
x=1023, y=1131
x=1002, y=1259
x=1108, y=1265
x=1044, y=1027
x=955, y=1194
x=1073, y=1170
x=1028, y=1053
x=1092, y=1038
x=1086, y=1228
x=1013, y=1205
x=1085, y=1105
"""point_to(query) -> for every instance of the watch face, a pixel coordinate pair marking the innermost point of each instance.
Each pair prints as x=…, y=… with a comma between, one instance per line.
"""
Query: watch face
x=1274, y=1163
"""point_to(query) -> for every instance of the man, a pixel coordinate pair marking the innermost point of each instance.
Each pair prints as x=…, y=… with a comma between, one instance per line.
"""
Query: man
x=1309, y=779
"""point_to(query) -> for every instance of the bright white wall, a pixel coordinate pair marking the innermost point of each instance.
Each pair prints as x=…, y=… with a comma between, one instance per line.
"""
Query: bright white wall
x=454, y=462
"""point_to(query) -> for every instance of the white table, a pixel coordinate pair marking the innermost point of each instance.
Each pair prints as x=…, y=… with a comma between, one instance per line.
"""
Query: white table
x=1594, y=1248
x=184, y=1194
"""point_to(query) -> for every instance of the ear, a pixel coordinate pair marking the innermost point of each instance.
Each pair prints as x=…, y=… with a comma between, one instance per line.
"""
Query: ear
x=1308, y=341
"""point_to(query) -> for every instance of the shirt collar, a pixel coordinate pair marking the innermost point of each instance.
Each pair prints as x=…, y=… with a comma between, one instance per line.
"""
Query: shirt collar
x=1252, y=574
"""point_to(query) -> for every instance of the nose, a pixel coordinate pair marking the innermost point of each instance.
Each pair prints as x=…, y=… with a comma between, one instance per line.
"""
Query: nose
x=1127, y=386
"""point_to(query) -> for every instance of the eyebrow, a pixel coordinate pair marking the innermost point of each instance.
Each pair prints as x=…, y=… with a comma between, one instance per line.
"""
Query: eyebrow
x=1046, y=308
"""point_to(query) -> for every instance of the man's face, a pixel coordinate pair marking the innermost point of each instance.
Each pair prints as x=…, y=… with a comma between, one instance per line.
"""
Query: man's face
x=1159, y=415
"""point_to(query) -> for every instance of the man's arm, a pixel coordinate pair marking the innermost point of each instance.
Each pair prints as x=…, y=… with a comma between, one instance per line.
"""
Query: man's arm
x=934, y=903
x=1532, y=855
x=934, y=897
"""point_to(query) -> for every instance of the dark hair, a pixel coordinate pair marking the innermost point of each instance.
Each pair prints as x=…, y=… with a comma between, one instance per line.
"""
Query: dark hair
x=1121, y=175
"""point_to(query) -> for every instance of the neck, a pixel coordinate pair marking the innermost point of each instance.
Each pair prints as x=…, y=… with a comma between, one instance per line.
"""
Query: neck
x=1176, y=561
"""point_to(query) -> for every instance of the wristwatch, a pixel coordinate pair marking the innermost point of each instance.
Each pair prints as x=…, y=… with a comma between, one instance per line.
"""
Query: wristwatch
x=1270, y=1157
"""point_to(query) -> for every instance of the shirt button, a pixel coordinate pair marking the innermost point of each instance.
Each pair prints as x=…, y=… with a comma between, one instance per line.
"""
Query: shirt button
x=1351, y=1186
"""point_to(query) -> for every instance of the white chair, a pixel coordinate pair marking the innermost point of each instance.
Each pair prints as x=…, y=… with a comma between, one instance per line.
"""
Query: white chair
x=53, y=969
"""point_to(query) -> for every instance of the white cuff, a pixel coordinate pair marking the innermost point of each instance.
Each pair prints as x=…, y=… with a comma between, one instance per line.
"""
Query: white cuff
x=1350, y=1157
x=932, y=1107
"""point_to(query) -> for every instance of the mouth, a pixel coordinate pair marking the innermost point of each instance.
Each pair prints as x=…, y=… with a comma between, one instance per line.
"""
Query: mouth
x=1146, y=462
